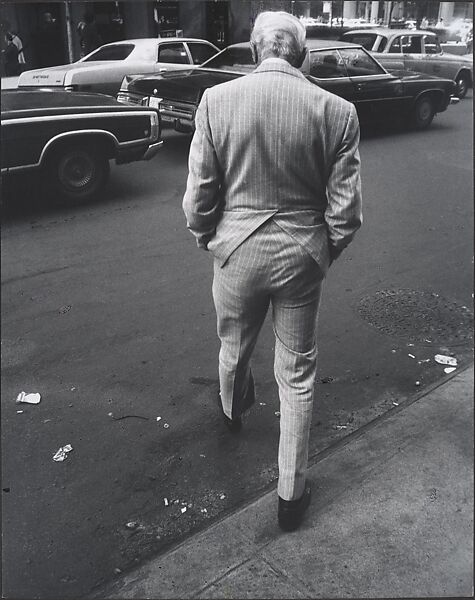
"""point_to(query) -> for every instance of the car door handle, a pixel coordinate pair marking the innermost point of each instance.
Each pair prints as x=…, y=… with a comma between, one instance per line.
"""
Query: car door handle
x=163, y=69
x=360, y=87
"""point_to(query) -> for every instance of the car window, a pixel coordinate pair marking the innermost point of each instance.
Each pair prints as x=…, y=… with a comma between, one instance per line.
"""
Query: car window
x=395, y=47
x=411, y=44
x=200, y=52
x=363, y=39
x=327, y=64
x=358, y=63
x=114, y=52
x=172, y=53
x=431, y=45
x=232, y=59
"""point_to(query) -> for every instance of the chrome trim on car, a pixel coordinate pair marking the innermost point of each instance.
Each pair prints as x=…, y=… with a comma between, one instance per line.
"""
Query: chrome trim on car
x=142, y=113
x=152, y=150
x=454, y=100
x=176, y=113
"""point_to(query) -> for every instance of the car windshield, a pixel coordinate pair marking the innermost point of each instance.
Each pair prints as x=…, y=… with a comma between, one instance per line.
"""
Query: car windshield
x=115, y=52
x=232, y=59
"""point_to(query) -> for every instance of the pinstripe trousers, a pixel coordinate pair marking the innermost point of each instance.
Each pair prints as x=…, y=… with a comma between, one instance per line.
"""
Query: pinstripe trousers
x=271, y=268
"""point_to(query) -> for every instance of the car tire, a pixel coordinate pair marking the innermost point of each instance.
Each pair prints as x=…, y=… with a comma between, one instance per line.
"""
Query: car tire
x=423, y=112
x=76, y=174
x=462, y=85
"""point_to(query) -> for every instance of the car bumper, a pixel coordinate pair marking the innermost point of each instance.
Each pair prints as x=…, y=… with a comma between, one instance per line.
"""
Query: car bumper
x=454, y=100
x=139, y=153
x=152, y=150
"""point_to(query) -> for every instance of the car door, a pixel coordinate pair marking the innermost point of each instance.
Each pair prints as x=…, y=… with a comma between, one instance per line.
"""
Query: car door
x=327, y=69
x=414, y=57
x=377, y=93
x=171, y=56
x=389, y=53
x=436, y=62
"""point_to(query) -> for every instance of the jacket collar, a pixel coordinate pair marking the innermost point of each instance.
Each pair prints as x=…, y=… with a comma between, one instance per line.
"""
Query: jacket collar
x=278, y=65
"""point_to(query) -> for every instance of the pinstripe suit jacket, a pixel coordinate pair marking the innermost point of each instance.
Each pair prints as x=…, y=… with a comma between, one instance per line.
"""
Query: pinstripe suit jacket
x=273, y=145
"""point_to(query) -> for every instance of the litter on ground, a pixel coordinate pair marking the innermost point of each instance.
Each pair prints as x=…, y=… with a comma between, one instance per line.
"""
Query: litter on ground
x=449, y=370
x=411, y=355
x=28, y=398
x=165, y=501
x=443, y=359
x=183, y=509
x=62, y=453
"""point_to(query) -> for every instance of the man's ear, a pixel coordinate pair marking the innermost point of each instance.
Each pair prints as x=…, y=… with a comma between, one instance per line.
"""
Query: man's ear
x=254, y=53
x=302, y=57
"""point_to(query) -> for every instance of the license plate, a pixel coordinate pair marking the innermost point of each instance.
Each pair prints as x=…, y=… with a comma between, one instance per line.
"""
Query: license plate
x=153, y=102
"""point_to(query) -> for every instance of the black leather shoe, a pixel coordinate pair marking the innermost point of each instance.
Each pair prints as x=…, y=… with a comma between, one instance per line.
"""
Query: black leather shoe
x=234, y=425
x=291, y=512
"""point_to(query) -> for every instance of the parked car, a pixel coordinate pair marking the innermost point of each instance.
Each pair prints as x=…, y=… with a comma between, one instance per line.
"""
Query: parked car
x=103, y=69
x=70, y=138
x=342, y=68
x=417, y=51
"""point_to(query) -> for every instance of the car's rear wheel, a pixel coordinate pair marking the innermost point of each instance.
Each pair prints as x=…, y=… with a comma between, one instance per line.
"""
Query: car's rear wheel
x=462, y=85
x=423, y=112
x=76, y=174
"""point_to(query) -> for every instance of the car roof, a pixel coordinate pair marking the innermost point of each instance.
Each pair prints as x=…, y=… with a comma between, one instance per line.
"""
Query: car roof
x=144, y=41
x=387, y=32
x=312, y=44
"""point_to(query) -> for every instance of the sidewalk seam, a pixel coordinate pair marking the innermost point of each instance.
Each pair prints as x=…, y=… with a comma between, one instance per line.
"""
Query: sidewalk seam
x=221, y=577
x=296, y=581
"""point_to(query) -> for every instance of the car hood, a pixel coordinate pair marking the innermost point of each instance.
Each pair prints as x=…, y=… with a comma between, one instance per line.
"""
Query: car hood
x=184, y=86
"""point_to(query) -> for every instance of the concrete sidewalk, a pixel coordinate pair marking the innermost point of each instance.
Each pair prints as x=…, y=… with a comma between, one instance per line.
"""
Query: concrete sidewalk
x=391, y=516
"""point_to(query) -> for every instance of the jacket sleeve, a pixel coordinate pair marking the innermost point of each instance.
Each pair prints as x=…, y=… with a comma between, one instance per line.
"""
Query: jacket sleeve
x=201, y=203
x=343, y=215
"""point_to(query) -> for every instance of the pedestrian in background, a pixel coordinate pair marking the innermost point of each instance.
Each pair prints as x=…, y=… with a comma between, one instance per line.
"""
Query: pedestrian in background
x=48, y=44
x=10, y=57
x=88, y=34
x=19, y=45
x=273, y=192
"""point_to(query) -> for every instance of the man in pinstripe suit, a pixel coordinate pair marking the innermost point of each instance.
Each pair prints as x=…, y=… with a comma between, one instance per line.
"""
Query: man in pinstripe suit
x=274, y=194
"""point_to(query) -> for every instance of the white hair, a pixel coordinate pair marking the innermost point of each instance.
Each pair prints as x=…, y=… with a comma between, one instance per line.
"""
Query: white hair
x=280, y=34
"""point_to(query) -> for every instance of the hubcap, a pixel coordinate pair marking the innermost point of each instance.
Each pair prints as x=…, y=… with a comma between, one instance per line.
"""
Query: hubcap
x=461, y=86
x=425, y=111
x=76, y=171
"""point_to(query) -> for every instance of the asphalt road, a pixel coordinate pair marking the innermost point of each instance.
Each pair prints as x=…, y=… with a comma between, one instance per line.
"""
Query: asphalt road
x=107, y=312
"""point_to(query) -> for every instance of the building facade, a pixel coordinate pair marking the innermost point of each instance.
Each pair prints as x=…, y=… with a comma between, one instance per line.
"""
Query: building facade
x=49, y=30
